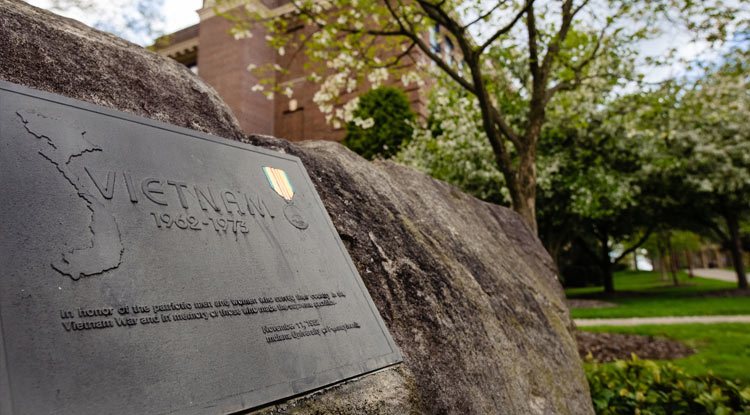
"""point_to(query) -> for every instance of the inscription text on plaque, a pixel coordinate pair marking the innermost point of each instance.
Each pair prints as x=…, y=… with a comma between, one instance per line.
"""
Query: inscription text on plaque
x=155, y=270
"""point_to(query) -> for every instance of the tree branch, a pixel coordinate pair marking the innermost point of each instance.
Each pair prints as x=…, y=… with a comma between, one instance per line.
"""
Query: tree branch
x=436, y=13
x=485, y=15
x=568, y=13
x=397, y=59
x=505, y=29
x=587, y=248
x=569, y=85
x=471, y=56
x=720, y=233
x=533, y=53
x=414, y=36
x=385, y=33
x=578, y=9
x=638, y=243
x=506, y=129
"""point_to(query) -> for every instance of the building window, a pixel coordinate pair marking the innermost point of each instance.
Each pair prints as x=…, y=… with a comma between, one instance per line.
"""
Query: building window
x=449, y=51
x=435, y=39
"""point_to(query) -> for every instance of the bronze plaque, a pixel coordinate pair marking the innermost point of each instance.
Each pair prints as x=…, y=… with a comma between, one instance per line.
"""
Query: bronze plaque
x=150, y=269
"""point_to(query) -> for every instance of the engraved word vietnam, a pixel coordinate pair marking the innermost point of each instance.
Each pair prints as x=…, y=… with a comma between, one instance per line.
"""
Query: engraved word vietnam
x=65, y=147
x=166, y=192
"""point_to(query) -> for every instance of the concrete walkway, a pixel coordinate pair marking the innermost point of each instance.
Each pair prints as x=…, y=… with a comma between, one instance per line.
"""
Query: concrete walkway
x=716, y=273
x=713, y=273
x=637, y=321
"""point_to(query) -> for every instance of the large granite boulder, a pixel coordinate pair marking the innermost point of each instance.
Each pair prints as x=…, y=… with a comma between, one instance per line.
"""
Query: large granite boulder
x=466, y=289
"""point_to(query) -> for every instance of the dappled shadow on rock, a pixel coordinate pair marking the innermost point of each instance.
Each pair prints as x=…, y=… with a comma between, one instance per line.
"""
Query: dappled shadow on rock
x=608, y=347
x=51, y=53
x=466, y=289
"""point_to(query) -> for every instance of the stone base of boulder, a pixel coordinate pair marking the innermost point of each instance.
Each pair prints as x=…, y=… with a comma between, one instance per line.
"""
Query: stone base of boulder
x=389, y=391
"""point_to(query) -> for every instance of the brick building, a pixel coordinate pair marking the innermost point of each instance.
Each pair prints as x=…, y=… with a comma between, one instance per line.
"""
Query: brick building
x=222, y=61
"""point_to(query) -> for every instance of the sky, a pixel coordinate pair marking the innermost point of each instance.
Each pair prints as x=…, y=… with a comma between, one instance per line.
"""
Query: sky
x=177, y=14
x=180, y=13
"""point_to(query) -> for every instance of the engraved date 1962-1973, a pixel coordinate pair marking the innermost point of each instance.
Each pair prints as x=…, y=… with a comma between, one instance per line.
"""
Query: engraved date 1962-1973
x=181, y=221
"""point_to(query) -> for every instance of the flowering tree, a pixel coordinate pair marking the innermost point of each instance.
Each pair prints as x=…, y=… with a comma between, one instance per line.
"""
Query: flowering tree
x=511, y=57
x=604, y=189
x=452, y=145
x=674, y=157
x=599, y=186
x=710, y=142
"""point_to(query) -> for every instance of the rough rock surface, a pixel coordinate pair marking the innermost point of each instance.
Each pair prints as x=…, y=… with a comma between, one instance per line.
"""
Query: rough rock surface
x=55, y=54
x=467, y=291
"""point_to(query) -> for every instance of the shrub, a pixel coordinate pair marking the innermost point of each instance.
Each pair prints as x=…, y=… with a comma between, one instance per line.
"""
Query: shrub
x=391, y=115
x=647, y=388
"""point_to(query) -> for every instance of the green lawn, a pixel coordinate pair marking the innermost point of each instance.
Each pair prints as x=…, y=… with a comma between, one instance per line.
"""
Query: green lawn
x=659, y=307
x=645, y=294
x=650, y=282
x=723, y=348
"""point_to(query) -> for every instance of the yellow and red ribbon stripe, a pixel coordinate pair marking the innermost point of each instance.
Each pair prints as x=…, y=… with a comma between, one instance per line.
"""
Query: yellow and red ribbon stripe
x=279, y=182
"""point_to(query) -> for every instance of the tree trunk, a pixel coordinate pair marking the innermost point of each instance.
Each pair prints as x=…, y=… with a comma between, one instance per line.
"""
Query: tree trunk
x=521, y=181
x=524, y=201
x=606, y=266
x=554, y=246
x=673, y=262
x=635, y=261
x=689, y=258
x=662, y=263
x=735, y=247
x=525, y=208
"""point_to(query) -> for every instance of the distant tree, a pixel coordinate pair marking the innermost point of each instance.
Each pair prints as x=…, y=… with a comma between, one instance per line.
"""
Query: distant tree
x=600, y=190
x=709, y=141
x=597, y=184
x=382, y=123
x=684, y=242
x=657, y=247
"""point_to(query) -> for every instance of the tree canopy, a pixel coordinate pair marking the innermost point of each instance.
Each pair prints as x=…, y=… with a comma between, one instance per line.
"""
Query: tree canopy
x=540, y=105
x=512, y=57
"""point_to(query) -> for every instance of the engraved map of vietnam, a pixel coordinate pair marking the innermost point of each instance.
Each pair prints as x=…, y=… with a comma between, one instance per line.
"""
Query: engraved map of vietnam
x=105, y=250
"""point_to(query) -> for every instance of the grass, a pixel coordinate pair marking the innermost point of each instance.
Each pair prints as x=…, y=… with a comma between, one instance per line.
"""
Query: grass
x=660, y=307
x=645, y=294
x=650, y=282
x=723, y=348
